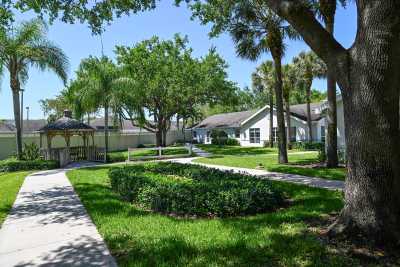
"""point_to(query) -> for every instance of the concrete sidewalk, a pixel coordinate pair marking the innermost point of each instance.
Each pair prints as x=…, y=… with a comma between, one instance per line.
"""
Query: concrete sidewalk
x=49, y=226
x=292, y=178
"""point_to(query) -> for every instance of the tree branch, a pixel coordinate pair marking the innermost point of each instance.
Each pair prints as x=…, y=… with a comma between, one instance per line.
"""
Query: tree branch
x=313, y=33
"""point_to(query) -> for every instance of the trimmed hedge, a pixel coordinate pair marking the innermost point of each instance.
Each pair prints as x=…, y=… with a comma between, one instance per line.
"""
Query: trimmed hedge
x=186, y=189
x=11, y=165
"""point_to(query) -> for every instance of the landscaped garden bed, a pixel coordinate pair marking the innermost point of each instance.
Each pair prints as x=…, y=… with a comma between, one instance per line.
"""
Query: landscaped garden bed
x=137, y=236
x=194, y=190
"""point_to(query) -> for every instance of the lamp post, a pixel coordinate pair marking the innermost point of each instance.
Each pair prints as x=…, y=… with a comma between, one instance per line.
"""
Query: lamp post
x=27, y=118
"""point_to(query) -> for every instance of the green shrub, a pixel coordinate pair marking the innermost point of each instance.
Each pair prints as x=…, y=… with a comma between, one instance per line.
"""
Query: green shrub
x=31, y=152
x=308, y=145
x=116, y=156
x=232, y=142
x=11, y=165
x=218, y=137
x=185, y=189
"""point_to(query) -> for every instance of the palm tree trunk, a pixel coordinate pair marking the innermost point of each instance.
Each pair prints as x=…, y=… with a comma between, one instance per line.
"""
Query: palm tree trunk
x=282, y=151
x=106, y=128
x=17, y=118
x=309, y=123
x=15, y=88
x=331, y=140
x=288, y=124
x=271, y=117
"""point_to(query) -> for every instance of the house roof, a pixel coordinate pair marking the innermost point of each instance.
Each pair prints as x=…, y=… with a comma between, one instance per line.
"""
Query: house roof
x=236, y=119
x=8, y=126
x=300, y=111
x=226, y=120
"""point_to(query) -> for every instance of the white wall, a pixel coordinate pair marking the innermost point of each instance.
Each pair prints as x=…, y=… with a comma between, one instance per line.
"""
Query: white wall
x=262, y=121
x=340, y=125
x=117, y=141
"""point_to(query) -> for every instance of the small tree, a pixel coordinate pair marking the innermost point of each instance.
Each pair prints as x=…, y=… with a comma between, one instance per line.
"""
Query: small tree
x=164, y=74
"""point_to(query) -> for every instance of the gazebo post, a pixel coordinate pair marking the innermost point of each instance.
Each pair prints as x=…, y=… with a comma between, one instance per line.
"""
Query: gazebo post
x=48, y=154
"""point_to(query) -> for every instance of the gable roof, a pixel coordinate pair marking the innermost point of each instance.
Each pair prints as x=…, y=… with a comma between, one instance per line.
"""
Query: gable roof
x=226, y=120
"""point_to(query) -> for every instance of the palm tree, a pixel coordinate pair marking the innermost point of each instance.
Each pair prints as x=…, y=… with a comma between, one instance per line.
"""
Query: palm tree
x=256, y=30
x=309, y=66
x=264, y=79
x=289, y=83
x=23, y=47
x=97, y=85
x=326, y=11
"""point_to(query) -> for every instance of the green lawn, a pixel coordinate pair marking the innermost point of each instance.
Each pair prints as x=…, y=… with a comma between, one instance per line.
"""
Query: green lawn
x=251, y=157
x=10, y=183
x=137, y=237
x=119, y=156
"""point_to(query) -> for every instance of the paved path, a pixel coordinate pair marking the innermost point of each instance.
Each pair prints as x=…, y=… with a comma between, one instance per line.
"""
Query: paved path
x=200, y=152
x=48, y=226
x=293, y=178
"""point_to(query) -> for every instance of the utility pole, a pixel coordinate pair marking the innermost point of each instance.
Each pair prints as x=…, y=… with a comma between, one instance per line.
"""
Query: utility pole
x=22, y=111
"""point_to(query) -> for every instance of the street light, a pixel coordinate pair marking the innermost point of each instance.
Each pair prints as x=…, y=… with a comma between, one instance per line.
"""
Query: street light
x=27, y=118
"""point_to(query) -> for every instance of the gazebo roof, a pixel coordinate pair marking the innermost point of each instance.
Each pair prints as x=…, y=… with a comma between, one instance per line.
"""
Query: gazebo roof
x=66, y=123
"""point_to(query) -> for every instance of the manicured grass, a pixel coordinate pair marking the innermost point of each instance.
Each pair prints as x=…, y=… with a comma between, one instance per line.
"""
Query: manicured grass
x=119, y=156
x=137, y=237
x=250, y=157
x=10, y=183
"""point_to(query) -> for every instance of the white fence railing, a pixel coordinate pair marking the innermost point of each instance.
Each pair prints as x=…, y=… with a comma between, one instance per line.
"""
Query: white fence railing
x=159, y=154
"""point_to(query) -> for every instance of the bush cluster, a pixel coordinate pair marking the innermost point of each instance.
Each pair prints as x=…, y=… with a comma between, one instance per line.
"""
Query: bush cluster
x=11, y=165
x=193, y=190
x=218, y=137
x=308, y=145
x=232, y=142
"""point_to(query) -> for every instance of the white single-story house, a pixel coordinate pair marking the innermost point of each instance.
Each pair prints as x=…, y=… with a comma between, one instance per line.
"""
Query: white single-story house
x=251, y=128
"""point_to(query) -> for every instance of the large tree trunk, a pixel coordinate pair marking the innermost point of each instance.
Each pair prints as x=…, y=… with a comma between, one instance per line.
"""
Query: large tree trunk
x=106, y=128
x=309, y=122
x=282, y=149
x=371, y=106
x=271, y=117
x=332, y=160
x=15, y=88
x=367, y=75
x=158, y=137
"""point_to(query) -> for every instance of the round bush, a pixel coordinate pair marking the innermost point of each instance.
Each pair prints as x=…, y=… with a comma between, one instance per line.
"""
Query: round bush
x=194, y=190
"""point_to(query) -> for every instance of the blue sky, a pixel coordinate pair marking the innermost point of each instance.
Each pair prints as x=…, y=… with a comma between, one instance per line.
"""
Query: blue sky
x=78, y=43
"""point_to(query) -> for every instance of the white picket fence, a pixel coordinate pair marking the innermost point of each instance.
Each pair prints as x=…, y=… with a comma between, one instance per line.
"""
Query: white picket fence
x=117, y=140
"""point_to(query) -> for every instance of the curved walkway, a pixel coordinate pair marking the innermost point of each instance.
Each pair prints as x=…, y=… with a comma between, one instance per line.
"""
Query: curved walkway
x=276, y=176
x=49, y=226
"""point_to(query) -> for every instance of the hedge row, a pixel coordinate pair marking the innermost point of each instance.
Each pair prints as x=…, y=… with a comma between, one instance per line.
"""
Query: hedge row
x=11, y=165
x=193, y=190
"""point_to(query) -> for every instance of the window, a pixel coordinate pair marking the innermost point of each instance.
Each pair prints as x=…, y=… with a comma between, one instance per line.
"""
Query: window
x=292, y=134
x=194, y=134
x=255, y=135
x=275, y=134
x=237, y=133
x=323, y=134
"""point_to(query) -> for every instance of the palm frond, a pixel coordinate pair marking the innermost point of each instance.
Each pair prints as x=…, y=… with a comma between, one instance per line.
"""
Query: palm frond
x=46, y=55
